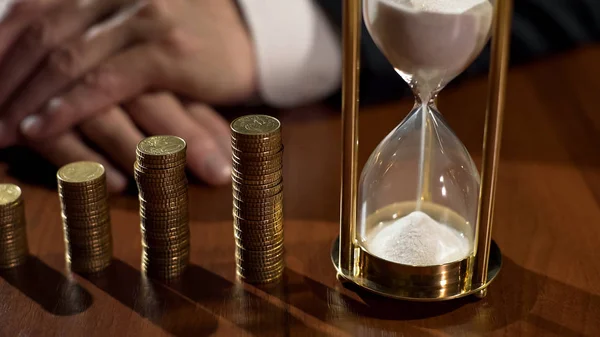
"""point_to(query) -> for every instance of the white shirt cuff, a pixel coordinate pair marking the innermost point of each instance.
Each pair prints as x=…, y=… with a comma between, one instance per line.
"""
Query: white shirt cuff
x=297, y=50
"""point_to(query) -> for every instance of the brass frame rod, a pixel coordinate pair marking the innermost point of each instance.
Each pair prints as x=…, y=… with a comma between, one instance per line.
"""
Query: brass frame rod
x=492, y=136
x=352, y=20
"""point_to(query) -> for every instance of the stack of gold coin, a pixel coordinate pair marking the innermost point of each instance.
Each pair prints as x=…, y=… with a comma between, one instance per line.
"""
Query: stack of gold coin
x=13, y=236
x=258, y=198
x=163, y=194
x=85, y=216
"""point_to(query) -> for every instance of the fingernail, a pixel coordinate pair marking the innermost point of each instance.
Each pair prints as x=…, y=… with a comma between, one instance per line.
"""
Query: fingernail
x=31, y=125
x=115, y=181
x=53, y=105
x=218, y=168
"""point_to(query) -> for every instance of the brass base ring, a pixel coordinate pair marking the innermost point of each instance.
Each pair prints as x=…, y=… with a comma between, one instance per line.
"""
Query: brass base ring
x=494, y=266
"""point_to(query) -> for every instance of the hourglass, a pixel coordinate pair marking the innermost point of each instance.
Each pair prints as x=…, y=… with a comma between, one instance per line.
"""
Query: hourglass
x=417, y=224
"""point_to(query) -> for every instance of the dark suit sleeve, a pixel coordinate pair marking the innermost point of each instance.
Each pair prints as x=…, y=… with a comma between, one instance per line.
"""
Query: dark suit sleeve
x=539, y=28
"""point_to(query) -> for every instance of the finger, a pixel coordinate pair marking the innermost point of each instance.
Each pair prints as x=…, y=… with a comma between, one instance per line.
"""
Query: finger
x=120, y=78
x=45, y=33
x=15, y=15
x=214, y=123
x=68, y=63
x=115, y=134
x=69, y=148
x=163, y=114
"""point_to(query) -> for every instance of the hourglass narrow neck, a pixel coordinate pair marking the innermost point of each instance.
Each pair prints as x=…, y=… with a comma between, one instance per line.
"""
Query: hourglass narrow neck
x=428, y=100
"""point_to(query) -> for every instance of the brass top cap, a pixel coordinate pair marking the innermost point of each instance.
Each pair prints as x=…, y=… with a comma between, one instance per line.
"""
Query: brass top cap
x=161, y=145
x=80, y=172
x=255, y=125
x=9, y=193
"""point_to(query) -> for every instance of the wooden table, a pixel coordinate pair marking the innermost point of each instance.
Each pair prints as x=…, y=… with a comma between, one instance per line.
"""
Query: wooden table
x=547, y=224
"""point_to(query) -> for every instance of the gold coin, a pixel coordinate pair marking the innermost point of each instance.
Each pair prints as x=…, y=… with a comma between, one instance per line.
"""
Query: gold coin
x=9, y=194
x=16, y=235
x=249, y=194
x=74, y=214
x=254, y=125
x=262, y=278
x=165, y=262
x=258, y=214
x=262, y=210
x=165, y=232
x=259, y=243
x=159, y=170
x=80, y=172
x=166, y=251
x=164, y=241
x=257, y=159
x=14, y=248
x=257, y=178
x=242, y=187
x=261, y=140
x=240, y=169
x=161, y=145
x=171, y=251
x=258, y=223
x=144, y=159
x=155, y=222
x=247, y=234
x=84, y=196
x=256, y=146
x=167, y=179
x=266, y=202
x=261, y=165
x=263, y=182
x=88, y=186
x=258, y=257
x=253, y=233
x=89, y=267
x=261, y=268
x=275, y=250
x=14, y=211
x=256, y=262
x=82, y=205
x=14, y=263
x=260, y=265
x=89, y=250
x=258, y=154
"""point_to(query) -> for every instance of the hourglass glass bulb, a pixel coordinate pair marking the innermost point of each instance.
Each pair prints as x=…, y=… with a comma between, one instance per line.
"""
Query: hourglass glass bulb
x=418, y=192
x=429, y=42
x=418, y=197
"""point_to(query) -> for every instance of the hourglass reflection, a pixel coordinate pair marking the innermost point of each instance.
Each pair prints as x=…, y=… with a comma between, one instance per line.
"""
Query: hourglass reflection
x=415, y=234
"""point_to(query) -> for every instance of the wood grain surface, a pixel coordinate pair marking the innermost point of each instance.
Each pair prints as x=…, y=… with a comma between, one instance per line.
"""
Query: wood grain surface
x=547, y=224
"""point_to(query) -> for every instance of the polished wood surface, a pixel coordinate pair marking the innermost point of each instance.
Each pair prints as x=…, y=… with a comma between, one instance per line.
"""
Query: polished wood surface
x=546, y=223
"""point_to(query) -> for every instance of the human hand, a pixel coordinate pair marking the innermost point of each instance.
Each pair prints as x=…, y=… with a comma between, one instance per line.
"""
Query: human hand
x=117, y=131
x=197, y=49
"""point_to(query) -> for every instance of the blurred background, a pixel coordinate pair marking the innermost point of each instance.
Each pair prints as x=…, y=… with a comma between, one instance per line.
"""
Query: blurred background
x=88, y=79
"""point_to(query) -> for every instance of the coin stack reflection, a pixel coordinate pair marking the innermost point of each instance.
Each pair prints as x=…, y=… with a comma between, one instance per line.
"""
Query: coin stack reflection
x=85, y=215
x=13, y=236
x=258, y=198
x=163, y=195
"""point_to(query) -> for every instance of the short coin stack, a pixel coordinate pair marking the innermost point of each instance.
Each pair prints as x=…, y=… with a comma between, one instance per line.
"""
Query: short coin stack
x=163, y=194
x=13, y=236
x=258, y=198
x=85, y=216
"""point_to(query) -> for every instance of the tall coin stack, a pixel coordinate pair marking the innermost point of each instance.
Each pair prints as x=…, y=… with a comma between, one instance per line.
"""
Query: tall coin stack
x=258, y=198
x=13, y=236
x=85, y=215
x=163, y=194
